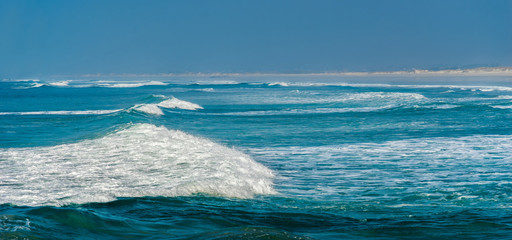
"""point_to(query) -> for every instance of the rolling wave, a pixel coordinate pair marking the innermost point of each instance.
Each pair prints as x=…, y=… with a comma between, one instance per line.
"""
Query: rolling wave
x=140, y=160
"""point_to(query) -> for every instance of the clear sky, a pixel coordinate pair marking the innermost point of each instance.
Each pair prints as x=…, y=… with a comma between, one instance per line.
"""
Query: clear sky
x=87, y=37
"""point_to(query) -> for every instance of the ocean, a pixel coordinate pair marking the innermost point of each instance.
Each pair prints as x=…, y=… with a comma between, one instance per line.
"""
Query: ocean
x=256, y=157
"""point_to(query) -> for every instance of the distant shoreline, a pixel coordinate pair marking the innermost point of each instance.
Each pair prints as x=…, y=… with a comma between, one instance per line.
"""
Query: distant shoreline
x=481, y=71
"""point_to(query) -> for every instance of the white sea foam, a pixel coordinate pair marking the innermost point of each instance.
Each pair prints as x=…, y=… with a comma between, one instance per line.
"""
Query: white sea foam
x=380, y=98
x=306, y=111
x=283, y=84
x=82, y=112
x=442, y=166
x=204, y=90
x=59, y=84
x=502, y=107
x=177, y=103
x=217, y=82
x=152, y=109
x=32, y=85
x=13, y=223
x=504, y=97
x=439, y=106
x=141, y=160
x=155, y=108
x=382, y=85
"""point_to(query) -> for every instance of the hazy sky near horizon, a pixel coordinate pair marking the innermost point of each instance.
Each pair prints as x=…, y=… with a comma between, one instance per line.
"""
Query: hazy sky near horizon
x=158, y=36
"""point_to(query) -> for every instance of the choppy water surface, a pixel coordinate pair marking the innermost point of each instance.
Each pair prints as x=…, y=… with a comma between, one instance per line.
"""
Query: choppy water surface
x=256, y=158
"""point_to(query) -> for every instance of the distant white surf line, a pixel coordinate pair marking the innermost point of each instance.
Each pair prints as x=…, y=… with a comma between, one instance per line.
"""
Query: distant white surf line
x=369, y=85
x=82, y=112
x=131, y=84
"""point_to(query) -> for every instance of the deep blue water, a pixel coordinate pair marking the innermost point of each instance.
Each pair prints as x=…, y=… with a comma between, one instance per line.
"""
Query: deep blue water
x=307, y=157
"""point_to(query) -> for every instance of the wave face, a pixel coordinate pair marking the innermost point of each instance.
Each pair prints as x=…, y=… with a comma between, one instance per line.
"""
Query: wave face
x=142, y=160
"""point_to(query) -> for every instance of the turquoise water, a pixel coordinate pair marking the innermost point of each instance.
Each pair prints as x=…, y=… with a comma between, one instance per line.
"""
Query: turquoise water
x=304, y=157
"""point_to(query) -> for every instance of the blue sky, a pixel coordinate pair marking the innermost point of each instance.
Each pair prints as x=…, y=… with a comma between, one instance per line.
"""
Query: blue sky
x=43, y=38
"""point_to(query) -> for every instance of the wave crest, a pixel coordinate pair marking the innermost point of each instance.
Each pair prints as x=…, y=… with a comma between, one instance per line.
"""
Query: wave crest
x=177, y=103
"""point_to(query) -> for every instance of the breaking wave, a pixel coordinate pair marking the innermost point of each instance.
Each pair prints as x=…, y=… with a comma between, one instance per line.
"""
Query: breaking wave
x=131, y=84
x=140, y=160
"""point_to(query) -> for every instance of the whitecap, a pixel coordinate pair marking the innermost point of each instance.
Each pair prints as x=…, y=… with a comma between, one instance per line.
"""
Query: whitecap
x=504, y=97
x=60, y=83
x=204, y=90
x=502, y=107
x=155, y=108
x=282, y=84
x=152, y=109
x=217, y=82
x=177, y=103
x=31, y=85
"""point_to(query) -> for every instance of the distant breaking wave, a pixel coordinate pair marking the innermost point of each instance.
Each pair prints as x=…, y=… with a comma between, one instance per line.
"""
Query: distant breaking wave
x=153, y=109
x=140, y=160
x=132, y=85
x=35, y=83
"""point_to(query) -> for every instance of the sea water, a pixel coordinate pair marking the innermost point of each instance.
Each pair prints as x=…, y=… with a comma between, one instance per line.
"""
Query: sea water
x=256, y=157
